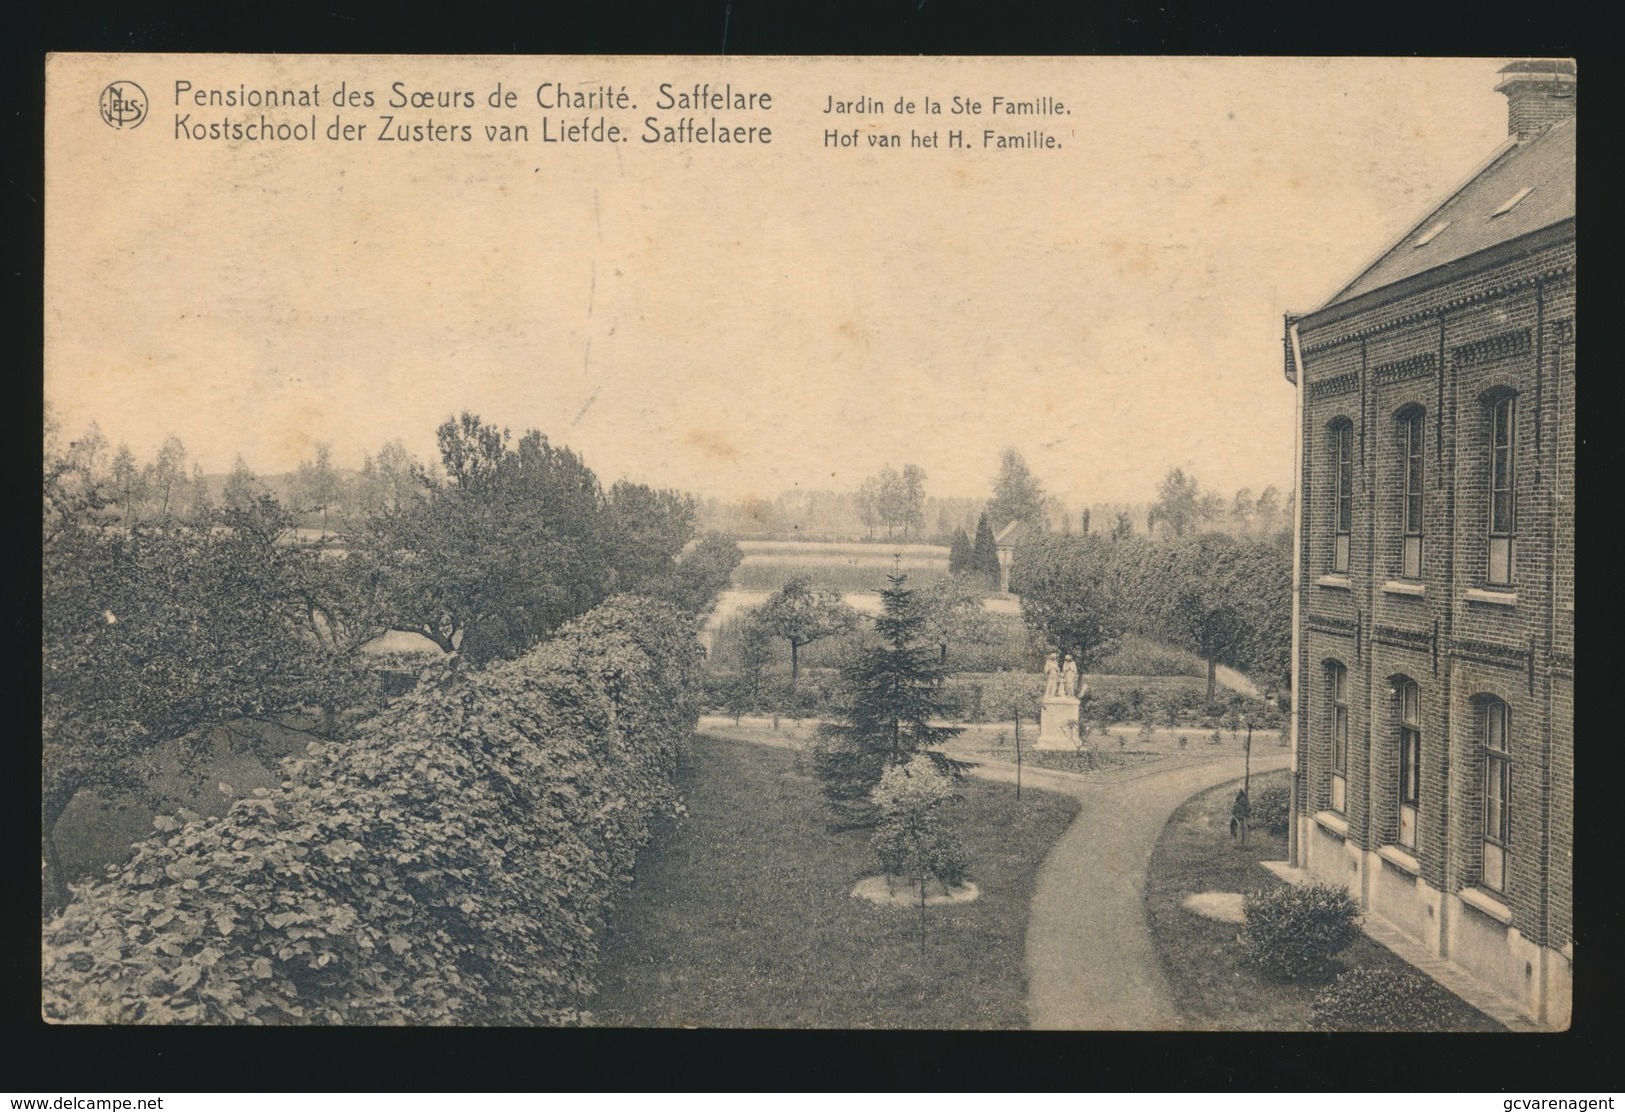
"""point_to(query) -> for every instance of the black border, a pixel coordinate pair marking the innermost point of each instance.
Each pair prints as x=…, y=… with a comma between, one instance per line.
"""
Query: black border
x=129, y=1060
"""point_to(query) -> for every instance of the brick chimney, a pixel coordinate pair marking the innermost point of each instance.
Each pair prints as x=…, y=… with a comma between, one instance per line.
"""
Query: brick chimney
x=1540, y=93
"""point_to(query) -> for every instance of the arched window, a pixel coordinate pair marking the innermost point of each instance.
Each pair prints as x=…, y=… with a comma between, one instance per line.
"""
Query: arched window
x=1342, y=447
x=1337, y=678
x=1412, y=429
x=1410, y=759
x=1502, y=478
x=1497, y=726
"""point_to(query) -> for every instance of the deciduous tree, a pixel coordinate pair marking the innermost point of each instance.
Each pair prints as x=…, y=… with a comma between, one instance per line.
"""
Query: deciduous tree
x=953, y=616
x=699, y=576
x=1017, y=496
x=800, y=614
x=1072, y=591
x=156, y=631
x=1177, y=508
x=1212, y=599
x=316, y=485
x=513, y=544
x=914, y=835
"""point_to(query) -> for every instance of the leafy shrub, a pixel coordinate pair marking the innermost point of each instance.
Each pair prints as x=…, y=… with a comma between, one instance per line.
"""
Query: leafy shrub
x=912, y=836
x=1383, y=1000
x=451, y=864
x=1272, y=808
x=1293, y=932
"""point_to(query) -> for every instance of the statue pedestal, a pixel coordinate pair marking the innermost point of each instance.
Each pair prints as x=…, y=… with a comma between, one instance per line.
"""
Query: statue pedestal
x=1058, y=723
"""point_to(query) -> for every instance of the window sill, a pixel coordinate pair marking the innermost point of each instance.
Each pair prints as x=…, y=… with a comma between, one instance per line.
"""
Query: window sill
x=1481, y=901
x=1491, y=597
x=1400, y=860
x=1400, y=587
x=1333, y=823
x=1337, y=582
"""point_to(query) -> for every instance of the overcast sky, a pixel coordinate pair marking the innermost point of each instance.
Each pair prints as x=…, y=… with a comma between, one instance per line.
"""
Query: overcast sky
x=737, y=321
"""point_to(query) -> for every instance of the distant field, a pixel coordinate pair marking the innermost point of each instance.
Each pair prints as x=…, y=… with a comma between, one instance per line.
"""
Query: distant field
x=845, y=567
x=844, y=577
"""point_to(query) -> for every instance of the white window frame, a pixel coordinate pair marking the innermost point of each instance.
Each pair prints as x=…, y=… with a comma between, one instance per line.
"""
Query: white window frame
x=1503, y=491
x=1337, y=679
x=1410, y=761
x=1342, y=494
x=1497, y=810
x=1413, y=439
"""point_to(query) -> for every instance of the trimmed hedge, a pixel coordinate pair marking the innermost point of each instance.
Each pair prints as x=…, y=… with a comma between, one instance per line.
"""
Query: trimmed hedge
x=1293, y=932
x=451, y=864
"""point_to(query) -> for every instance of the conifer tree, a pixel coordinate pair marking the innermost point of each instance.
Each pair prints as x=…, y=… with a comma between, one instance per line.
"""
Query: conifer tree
x=984, y=559
x=893, y=691
x=959, y=553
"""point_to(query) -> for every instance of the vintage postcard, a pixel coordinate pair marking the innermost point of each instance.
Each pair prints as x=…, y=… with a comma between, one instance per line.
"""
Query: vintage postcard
x=918, y=543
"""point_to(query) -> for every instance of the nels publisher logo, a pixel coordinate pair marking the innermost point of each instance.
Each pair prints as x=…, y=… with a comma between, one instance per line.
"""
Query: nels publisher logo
x=123, y=105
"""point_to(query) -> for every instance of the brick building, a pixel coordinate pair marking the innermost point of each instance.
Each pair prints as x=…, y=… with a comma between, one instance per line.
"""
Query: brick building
x=1434, y=655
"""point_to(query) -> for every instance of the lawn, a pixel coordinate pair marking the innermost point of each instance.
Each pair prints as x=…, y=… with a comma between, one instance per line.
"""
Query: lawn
x=741, y=915
x=880, y=549
x=1211, y=986
x=767, y=566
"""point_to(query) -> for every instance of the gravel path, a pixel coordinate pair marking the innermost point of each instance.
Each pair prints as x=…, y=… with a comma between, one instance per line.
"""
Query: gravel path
x=1090, y=962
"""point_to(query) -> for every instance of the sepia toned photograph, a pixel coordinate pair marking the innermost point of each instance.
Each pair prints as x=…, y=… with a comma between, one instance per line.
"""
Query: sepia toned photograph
x=900, y=543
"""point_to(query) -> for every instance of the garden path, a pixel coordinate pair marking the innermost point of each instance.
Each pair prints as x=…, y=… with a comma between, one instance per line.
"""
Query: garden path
x=1091, y=965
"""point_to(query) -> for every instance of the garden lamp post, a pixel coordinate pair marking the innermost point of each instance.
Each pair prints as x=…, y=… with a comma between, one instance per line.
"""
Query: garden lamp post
x=1247, y=766
x=1244, y=804
x=1018, y=755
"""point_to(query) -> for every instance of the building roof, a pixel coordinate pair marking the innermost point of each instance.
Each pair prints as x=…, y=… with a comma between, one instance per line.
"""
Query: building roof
x=1016, y=532
x=1523, y=188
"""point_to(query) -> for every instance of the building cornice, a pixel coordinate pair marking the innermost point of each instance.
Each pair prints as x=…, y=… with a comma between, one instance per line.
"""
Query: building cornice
x=1502, y=345
x=1425, y=365
x=1553, y=235
x=1488, y=652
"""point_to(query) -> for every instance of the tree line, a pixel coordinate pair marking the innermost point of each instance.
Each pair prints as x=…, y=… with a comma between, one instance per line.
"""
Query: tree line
x=165, y=614
x=1223, y=597
x=893, y=504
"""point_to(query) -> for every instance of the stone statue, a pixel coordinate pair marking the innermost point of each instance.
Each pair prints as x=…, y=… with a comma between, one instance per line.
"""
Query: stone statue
x=1069, y=678
x=1052, y=676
